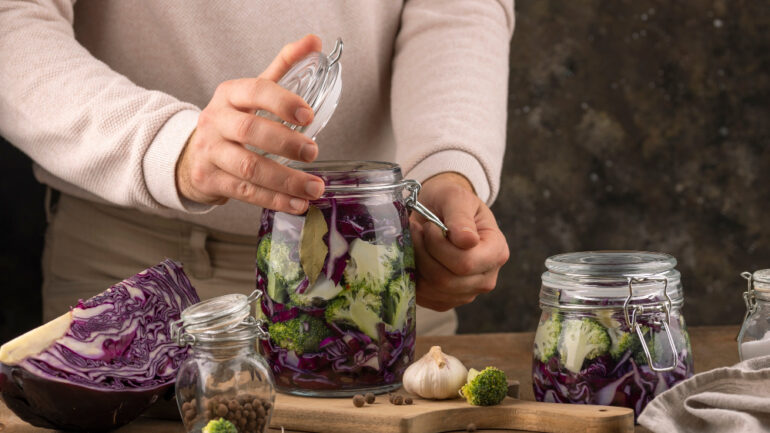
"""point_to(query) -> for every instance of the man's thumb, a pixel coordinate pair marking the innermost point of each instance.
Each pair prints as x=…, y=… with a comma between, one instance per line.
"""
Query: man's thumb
x=462, y=228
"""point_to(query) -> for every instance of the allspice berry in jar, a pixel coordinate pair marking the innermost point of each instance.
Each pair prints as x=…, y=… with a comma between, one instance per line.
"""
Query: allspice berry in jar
x=339, y=283
x=611, y=330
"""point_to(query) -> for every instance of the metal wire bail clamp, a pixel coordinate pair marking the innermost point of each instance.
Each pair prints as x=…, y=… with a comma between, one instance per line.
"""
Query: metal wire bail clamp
x=262, y=333
x=413, y=187
x=336, y=52
x=750, y=298
x=664, y=307
x=179, y=336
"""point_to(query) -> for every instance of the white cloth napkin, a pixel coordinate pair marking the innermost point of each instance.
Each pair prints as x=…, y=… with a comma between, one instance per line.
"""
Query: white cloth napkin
x=723, y=400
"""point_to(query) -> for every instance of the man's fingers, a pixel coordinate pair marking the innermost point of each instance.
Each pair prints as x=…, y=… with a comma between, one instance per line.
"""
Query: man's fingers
x=435, y=304
x=268, y=174
x=265, y=134
x=433, y=298
x=480, y=259
x=445, y=281
x=252, y=94
x=289, y=55
x=227, y=185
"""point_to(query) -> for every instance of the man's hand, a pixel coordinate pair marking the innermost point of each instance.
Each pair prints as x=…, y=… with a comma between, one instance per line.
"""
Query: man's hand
x=453, y=270
x=215, y=166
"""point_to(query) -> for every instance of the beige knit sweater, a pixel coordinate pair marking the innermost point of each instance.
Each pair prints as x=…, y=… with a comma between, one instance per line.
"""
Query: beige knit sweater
x=102, y=94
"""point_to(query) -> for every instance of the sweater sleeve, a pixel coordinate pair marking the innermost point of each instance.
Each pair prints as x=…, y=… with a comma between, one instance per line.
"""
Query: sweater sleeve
x=80, y=120
x=450, y=89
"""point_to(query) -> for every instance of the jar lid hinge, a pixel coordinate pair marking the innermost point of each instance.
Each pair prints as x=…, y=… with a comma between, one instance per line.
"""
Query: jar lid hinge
x=662, y=307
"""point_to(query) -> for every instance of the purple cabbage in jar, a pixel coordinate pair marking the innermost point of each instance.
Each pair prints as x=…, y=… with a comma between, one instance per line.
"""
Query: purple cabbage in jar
x=354, y=328
x=611, y=368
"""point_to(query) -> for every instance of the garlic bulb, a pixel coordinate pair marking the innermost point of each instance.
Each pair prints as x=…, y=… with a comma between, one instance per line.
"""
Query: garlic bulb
x=435, y=376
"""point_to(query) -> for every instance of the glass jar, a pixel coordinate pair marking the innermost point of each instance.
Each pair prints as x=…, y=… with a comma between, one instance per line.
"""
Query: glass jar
x=754, y=337
x=611, y=330
x=339, y=282
x=224, y=377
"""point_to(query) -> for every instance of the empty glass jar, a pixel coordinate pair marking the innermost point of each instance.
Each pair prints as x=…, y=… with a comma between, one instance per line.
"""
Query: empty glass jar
x=611, y=331
x=223, y=377
x=754, y=337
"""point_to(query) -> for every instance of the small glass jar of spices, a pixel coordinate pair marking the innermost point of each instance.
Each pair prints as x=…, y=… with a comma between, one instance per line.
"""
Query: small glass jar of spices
x=223, y=378
x=754, y=336
x=611, y=330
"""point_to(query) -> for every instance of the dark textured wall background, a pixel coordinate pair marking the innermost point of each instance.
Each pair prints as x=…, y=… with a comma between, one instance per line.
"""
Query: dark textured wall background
x=632, y=125
x=636, y=125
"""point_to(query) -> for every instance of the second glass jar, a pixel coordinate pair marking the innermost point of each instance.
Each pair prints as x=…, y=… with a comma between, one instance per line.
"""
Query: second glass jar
x=611, y=331
x=339, y=283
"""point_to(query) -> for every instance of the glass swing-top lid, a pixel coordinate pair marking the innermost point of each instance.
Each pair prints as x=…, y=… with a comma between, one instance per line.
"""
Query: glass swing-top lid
x=606, y=279
x=217, y=314
x=317, y=78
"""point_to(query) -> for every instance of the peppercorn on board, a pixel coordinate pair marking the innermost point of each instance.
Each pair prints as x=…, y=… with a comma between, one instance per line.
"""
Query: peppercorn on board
x=339, y=415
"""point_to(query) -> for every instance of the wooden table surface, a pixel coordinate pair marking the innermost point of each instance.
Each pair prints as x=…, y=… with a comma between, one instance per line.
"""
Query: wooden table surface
x=512, y=352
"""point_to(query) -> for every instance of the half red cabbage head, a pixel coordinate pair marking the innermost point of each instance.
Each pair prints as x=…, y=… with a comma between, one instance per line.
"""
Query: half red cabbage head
x=104, y=362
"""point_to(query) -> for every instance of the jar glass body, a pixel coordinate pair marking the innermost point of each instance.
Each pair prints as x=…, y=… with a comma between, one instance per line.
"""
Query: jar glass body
x=588, y=350
x=338, y=285
x=754, y=337
x=225, y=379
x=754, y=340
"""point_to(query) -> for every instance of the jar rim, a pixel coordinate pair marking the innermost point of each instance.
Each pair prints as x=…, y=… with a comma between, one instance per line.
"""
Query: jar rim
x=216, y=314
x=244, y=331
x=344, y=165
x=762, y=276
x=759, y=282
x=611, y=263
x=352, y=173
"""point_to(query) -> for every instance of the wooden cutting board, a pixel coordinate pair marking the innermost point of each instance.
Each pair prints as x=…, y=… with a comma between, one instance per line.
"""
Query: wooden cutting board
x=338, y=415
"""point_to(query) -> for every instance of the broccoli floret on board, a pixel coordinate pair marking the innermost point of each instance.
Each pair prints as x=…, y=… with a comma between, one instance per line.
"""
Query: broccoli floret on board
x=487, y=387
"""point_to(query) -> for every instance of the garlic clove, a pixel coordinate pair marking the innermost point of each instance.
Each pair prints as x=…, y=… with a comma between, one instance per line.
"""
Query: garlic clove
x=435, y=376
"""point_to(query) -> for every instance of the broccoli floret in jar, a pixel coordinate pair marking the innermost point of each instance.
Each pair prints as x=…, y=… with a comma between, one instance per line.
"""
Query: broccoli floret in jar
x=301, y=334
x=263, y=252
x=274, y=259
x=620, y=341
x=371, y=266
x=658, y=346
x=400, y=301
x=220, y=425
x=359, y=309
x=547, y=337
x=485, y=388
x=323, y=290
x=408, y=257
x=582, y=339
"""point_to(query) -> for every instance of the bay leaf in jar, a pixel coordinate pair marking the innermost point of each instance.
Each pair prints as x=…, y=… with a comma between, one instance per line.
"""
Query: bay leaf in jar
x=312, y=248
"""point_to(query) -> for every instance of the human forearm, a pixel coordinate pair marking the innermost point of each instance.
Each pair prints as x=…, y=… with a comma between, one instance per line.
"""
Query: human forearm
x=449, y=89
x=72, y=114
